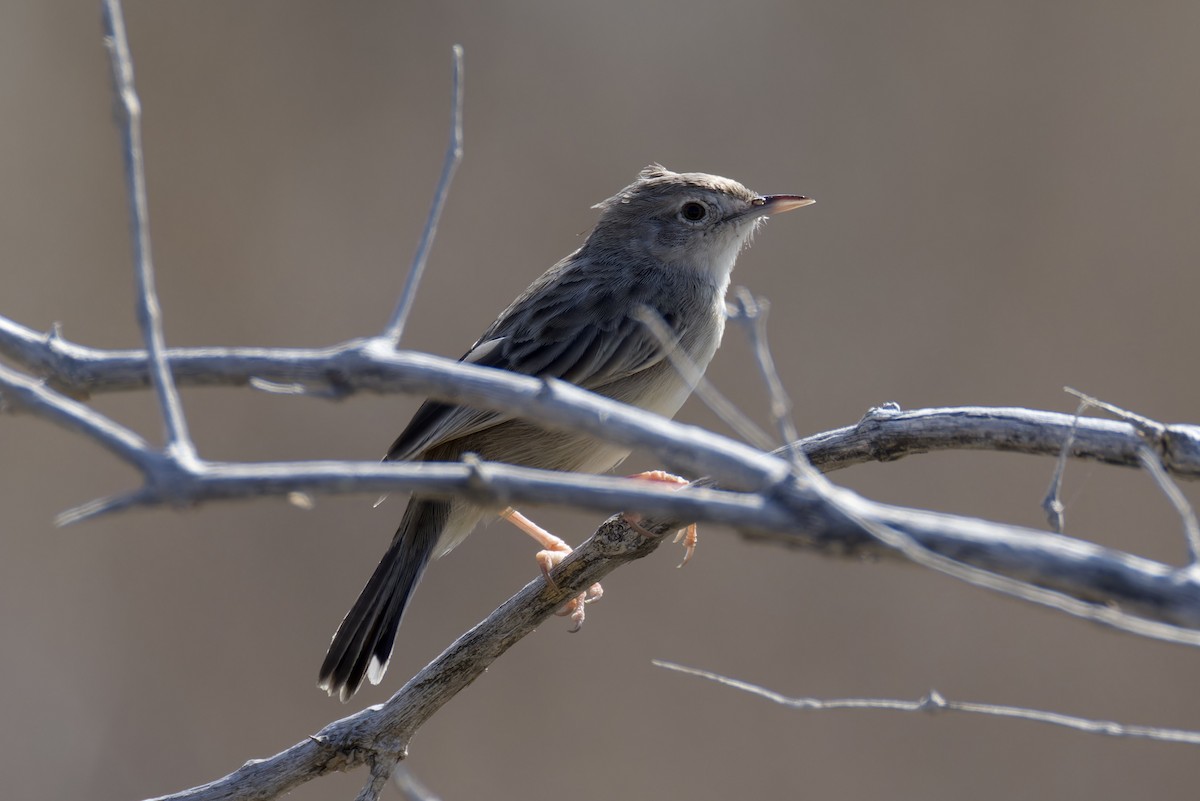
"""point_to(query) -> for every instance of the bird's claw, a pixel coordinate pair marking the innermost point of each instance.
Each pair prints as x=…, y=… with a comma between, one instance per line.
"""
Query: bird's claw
x=689, y=535
x=574, y=608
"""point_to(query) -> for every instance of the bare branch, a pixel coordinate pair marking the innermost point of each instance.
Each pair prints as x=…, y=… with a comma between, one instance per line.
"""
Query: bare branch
x=1191, y=527
x=724, y=408
x=1153, y=433
x=1087, y=576
x=1144, y=423
x=553, y=403
x=454, y=152
x=148, y=313
x=884, y=435
x=1052, y=570
x=383, y=732
x=341, y=370
x=105, y=506
x=752, y=314
x=935, y=702
x=1091, y=576
x=1052, y=504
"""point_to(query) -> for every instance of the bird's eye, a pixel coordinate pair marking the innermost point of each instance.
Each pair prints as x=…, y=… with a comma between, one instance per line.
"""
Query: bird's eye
x=693, y=211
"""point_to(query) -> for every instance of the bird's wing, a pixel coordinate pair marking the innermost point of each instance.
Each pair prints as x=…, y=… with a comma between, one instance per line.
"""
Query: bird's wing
x=565, y=327
x=436, y=422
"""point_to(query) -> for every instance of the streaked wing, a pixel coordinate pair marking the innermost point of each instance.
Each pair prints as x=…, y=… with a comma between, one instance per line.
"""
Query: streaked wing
x=436, y=421
x=564, y=326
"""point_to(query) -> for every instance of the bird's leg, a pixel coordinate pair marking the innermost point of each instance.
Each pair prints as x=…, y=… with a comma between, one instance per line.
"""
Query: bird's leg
x=555, y=549
x=687, y=534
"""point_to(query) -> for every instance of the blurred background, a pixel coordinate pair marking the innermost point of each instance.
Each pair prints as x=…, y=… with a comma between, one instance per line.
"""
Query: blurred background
x=1006, y=206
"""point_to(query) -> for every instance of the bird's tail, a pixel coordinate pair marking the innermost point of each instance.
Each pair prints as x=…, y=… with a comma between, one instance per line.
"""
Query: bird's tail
x=363, y=643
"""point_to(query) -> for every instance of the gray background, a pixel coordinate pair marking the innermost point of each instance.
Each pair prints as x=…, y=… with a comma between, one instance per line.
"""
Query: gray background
x=1007, y=198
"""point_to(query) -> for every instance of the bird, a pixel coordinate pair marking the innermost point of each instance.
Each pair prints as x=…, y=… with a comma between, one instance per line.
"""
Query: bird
x=665, y=245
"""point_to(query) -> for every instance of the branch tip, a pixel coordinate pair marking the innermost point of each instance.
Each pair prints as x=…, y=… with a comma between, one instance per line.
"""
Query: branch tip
x=454, y=153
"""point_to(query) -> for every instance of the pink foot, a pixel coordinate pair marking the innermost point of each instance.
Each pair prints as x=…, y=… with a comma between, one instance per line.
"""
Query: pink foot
x=689, y=534
x=554, y=550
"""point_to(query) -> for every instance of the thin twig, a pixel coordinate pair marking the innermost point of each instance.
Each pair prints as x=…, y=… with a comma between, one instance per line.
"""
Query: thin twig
x=1155, y=433
x=752, y=314
x=1191, y=526
x=179, y=442
x=454, y=153
x=1133, y=417
x=918, y=544
x=935, y=702
x=106, y=506
x=704, y=389
x=1052, y=504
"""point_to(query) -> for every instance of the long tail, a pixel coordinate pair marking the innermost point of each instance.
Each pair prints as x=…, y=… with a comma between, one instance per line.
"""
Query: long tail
x=363, y=643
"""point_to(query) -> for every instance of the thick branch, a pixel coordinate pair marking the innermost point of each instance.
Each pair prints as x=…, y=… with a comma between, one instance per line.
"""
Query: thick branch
x=361, y=366
x=885, y=435
x=1083, y=571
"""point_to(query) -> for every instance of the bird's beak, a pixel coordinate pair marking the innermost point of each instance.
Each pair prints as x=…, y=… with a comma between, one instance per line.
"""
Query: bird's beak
x=778, y=204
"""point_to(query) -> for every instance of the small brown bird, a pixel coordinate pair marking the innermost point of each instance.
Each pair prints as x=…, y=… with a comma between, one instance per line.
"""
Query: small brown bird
x=666, y=243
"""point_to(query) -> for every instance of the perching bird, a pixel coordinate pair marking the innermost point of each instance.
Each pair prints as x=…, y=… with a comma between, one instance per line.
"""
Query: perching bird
x=666, y=243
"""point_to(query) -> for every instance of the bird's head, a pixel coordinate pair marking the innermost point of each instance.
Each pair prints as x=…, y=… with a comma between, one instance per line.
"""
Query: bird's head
x=685, y=220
